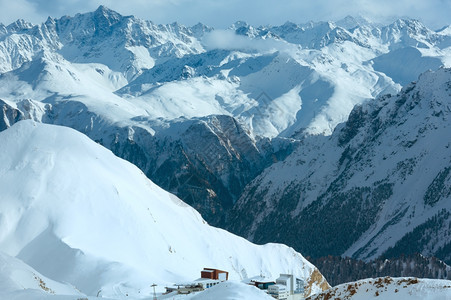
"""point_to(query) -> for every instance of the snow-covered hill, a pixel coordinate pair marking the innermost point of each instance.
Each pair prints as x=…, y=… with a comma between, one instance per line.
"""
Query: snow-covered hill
x=20, y=281
x=381, y=180
x=76, y=213
x=233, y=291
x=402, y=288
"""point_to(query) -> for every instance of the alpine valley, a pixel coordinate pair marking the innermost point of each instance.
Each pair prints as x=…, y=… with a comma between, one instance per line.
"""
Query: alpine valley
x=330, y=137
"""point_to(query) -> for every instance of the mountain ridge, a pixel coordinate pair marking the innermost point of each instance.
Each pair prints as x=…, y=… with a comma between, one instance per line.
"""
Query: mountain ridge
x=397, y=177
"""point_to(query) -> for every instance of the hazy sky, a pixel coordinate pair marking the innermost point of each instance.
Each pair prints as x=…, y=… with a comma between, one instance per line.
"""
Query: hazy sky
x=222, y=13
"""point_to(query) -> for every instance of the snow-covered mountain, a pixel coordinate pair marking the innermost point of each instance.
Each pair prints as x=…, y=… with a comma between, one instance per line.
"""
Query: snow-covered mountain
x=381, y=183
x=202, y=112
x=123, y=43
x=76, y=213
x=402, y=288
x=277, y=80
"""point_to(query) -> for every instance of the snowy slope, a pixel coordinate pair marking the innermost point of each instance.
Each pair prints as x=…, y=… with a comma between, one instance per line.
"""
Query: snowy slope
x=389, y=288
x=277, y=92
x=381, y=180
x=20, y=281
x=76, y=213
x=233, y=291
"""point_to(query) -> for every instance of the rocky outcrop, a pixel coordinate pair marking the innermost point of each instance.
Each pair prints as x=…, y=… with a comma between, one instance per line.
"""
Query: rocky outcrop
x=9, y=115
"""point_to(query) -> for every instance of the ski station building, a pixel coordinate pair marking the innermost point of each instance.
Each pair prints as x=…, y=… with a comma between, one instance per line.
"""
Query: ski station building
x=287, y=287
x=208, y=278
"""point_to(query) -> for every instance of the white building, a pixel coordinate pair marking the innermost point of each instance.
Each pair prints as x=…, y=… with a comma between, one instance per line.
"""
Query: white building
x=287, y=287
x=208, y=283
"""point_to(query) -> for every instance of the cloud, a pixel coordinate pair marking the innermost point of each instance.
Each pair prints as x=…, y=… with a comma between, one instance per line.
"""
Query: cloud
x=18, y=9
x=227, y=39
x=222, y=13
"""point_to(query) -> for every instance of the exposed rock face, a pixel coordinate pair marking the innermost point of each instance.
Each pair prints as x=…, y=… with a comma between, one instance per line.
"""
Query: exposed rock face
x=316, y=279
x=207, y=162
x=9, y=115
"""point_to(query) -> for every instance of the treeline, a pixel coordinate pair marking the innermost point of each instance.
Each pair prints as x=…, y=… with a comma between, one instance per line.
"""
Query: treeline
x=339, y=270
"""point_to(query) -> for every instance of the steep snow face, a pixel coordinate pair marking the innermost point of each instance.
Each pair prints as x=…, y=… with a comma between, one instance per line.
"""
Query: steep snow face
x=76, y=213
x=403, y=288
x=403, y=65
x=381, y=180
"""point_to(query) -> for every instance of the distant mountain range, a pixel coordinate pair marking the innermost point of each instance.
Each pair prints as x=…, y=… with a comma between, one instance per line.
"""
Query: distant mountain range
x=248, y=125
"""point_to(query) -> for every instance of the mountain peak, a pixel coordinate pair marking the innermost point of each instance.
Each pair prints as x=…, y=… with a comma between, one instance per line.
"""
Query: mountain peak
x=103, y=9
x=18, y=25
x=446, y=30
x=105, y=18
x=239, y=24
x=50, y=21
x=290, y=25
x=350, y=22
x=408, y=23
x=109, y=14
